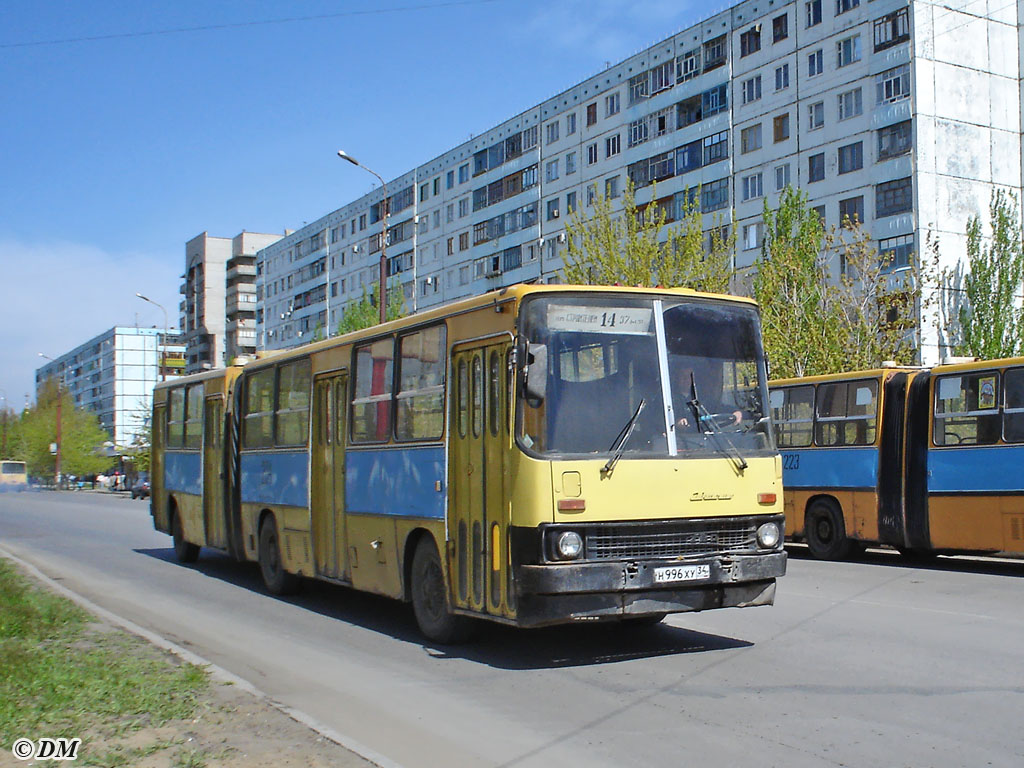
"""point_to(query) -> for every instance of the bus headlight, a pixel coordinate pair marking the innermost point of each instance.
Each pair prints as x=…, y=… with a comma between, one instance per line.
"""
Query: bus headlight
x=569, y=545
x=768, y=535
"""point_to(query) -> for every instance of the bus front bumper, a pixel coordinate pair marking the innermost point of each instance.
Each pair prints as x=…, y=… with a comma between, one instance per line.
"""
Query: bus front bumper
x=556, y=593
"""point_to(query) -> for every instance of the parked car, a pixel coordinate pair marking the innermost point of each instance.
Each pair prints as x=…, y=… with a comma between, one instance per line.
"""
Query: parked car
x=141, y=488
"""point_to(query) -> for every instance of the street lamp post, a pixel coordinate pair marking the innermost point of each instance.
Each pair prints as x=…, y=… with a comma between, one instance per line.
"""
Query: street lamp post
x=159, y=358
x=383, y=233
x=3, y=415
x=60, y=396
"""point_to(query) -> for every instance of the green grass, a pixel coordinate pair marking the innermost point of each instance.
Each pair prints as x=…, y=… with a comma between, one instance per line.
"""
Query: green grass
x=62, y=676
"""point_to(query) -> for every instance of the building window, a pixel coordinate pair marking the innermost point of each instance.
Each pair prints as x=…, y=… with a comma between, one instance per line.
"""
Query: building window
x=463, y=207
x=752, y=89
x=892, y=29
x=715, y=148
x=815, y=115
x=782, y=77
x=851, y=157
x=464, y=241
x=638, y=88
x=570, y=124
x=688, y=65
x=780, y=127
x=424, y=192
x=551, y=170
x=848, y=51
x=591, y=193
x=816, y=167
x=782, y=178
x=896, y=252
x=750, y=138
x=612, y=146
x=570, y=203
x=570, y=164
x=463, y=173
x=451, y=246
x=552, y=132
x=813, y=10
x=714, y=52
x=850, y=104
x=450, y=213
x=815, y=63
x=552, y=209
x=893, y=84
x=714, y=195
x=661, y=78
x=753, y=186
x=894, y=140
x=638, y=132
x=842, y=6
x=851, y=211
x=449, y=180
x=750, y=41
x=592, y=153
x=780, y=28
x=819, y=210
x=752, y=235
x=611, y=187
x=591, y=114
x=892, y=197
x=611, y=104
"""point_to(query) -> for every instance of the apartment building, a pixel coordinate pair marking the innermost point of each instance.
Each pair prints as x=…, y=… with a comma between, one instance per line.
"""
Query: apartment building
x=904, y=115
x=218, y=308
x=113, y=375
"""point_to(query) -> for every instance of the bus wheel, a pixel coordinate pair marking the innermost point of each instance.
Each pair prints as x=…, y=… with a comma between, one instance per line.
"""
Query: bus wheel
x=276, y=578
x=826, y=532
x=430, y=600
x=185, y=551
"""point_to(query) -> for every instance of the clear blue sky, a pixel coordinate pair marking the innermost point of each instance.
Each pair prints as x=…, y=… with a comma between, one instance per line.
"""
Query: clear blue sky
x=116, y=150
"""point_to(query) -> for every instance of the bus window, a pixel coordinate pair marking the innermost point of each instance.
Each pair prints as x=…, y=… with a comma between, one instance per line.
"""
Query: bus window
x=259, y=410
x=371, y=400
x=420, y=398
x=792, y=415
x=293, y=403
x=477, y=413
x=967, y=409
x=194, y=417
x=176, y=418
x=1013, y=405
x=463, y=401
x=846, y=413
x=494, y=395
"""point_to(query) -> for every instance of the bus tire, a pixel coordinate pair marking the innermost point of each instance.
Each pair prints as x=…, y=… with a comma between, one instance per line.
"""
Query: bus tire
x=826, y=531
x=277, y=580
x=185, y=551
x=430, y=598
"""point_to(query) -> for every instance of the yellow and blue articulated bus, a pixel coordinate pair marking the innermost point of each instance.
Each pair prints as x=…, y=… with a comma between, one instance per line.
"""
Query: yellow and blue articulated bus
x=533, y=456
x=924, y=460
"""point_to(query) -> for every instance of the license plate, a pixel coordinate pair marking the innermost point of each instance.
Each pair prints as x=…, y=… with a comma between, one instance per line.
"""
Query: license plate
x=682, y=573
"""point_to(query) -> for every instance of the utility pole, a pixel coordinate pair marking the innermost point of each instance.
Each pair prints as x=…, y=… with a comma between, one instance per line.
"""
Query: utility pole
x=384, y=211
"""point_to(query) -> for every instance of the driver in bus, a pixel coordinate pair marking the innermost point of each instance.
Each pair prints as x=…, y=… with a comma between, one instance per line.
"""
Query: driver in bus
x=708, y=381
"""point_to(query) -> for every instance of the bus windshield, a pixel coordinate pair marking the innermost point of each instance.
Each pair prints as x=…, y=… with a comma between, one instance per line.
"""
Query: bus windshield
x=587, y=361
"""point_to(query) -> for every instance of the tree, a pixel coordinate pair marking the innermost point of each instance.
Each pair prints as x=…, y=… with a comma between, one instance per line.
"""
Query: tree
x=829, y=302
x=81, y=441
x=637, y=248
x=986, y=320
x=363, y=312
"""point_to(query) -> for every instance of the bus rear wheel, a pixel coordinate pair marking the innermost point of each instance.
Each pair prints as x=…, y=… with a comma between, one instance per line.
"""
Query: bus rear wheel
x=277, y=580
x=430, y=598
x=826, y=531
x=185, y=551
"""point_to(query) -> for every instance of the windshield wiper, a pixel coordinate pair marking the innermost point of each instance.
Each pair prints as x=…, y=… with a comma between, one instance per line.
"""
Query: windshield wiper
x=619, y=443
x=703, y=415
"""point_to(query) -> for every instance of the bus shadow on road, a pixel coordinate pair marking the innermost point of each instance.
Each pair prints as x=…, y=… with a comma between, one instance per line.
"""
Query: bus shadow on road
x=502, y=647
x=989, y=566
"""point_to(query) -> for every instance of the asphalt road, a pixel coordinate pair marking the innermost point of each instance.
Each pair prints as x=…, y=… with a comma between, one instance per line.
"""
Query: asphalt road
x=872, y=663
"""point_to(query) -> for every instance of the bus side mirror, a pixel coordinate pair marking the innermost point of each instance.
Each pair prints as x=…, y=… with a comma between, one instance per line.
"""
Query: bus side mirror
x=536, y=371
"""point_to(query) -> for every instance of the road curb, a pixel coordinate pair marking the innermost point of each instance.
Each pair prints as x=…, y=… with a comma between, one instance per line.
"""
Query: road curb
x=216, y=672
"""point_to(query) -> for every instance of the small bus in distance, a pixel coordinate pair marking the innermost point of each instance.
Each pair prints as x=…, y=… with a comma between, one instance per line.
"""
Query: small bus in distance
x=13, y=476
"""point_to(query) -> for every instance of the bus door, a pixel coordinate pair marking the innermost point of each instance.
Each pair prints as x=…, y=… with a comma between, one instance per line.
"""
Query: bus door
x=328, y=475
x=477, y=469
x=891, y=458
x=213, y=474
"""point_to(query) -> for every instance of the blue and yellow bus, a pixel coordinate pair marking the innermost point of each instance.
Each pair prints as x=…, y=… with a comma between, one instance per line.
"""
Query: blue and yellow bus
x=533, y=456
x=926, y=460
